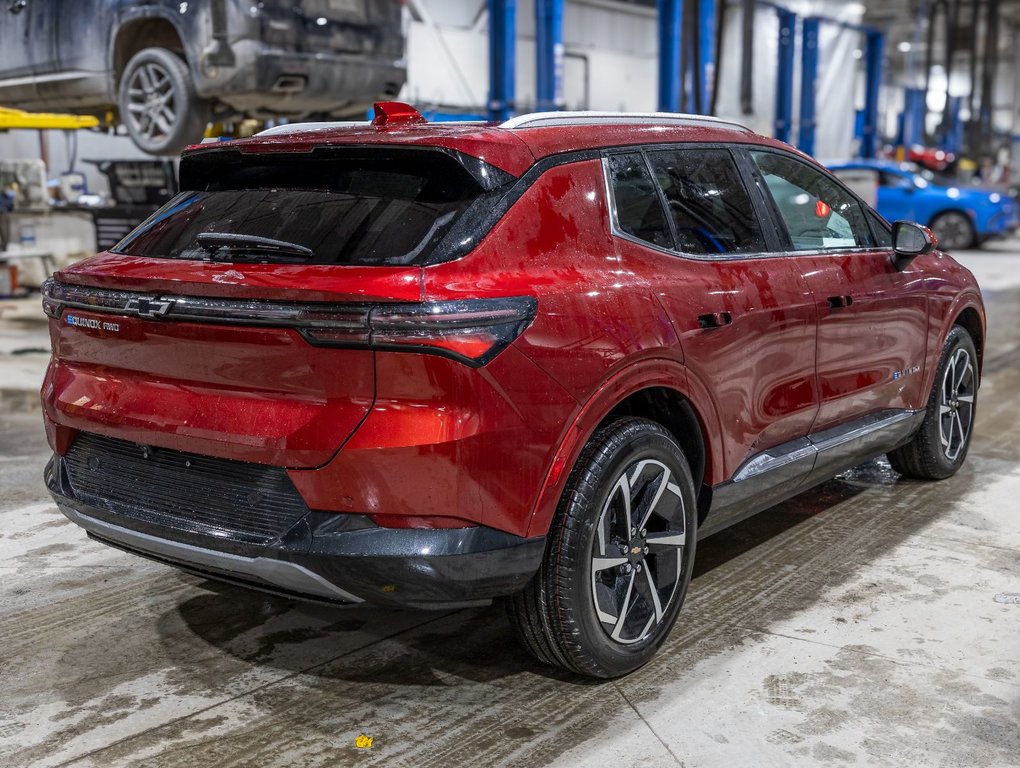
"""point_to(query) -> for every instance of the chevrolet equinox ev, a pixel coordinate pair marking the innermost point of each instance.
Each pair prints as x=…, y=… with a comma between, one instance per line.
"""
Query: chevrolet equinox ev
x=435, y=365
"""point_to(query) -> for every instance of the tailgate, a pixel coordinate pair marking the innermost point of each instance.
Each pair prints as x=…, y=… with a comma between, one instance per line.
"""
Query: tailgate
x=239, y=320
x=125, y=367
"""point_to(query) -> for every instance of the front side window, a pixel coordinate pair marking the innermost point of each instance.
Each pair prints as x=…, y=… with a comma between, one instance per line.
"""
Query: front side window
x=819, y=214
x=710, y=210
x=638, y=209
x=882, y=231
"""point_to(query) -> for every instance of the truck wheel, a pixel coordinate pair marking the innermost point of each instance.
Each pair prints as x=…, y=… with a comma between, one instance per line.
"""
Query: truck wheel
x=939, y=447
x=618, y=558
x=158, y=104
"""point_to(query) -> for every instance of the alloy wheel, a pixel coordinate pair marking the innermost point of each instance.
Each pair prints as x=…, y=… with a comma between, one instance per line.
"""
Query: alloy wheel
x=953, y=231
x=956, y=404
x=637, y=552
x=152, y=103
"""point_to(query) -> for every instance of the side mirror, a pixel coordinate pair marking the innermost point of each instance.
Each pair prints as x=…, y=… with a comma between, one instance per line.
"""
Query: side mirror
x=910, y=241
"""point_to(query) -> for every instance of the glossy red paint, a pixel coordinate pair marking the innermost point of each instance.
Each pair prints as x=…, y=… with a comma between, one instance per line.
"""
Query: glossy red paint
x=251, y=394
x=282, y=282
x=403, y=435
x=760, y=365
x=444, y=439
x=886, y=306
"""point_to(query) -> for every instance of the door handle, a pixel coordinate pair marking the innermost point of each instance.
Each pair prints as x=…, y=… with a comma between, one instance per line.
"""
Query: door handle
x=17, y=6
x=715, y=319
x=836, y=302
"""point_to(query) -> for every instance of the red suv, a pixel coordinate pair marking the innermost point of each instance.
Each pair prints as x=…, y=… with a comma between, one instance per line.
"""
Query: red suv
x=433, y=365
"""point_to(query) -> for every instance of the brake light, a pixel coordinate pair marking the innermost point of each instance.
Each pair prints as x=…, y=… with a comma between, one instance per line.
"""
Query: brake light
x=471, y=330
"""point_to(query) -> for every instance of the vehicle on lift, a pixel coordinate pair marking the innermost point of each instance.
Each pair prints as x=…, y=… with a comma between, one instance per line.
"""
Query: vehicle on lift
x=431, y=365
x=961, y=216
x=169, y=68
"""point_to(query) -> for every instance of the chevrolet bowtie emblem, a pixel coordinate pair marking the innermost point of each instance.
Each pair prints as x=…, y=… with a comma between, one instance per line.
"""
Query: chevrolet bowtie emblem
x=149, y=307
x=635, y=550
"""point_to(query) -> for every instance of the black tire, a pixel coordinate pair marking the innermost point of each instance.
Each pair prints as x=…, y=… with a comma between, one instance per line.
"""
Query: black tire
x=563, y=617
x=954, y=231
x=939, y=447
x=158, y=104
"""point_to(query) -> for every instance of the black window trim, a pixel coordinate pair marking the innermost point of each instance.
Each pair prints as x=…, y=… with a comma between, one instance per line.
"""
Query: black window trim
x=768, y=225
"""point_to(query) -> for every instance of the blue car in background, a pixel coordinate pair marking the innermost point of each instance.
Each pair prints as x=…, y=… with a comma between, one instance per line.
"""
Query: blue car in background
x=961, y=216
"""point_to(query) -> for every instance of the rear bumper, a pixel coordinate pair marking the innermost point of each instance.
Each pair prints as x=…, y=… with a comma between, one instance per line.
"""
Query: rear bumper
x=342, y=559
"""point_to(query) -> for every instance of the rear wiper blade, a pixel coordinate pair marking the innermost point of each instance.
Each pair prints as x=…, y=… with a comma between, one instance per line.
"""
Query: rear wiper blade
x=212, y=241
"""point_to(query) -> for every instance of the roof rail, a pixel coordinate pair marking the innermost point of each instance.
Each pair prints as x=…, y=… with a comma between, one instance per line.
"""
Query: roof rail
x=278, y=130
x=545, y=119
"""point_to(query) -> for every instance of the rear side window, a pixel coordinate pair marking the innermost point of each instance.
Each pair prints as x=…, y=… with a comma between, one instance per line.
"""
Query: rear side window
x=709, y=207
x=638, y=209
x=819, y=214
x=373, y=208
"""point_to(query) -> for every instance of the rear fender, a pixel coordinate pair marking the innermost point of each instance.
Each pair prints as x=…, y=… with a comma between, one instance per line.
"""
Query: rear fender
x=654, y=372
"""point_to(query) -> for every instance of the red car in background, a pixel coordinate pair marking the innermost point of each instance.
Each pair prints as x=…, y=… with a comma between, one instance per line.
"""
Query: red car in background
x=433, y=365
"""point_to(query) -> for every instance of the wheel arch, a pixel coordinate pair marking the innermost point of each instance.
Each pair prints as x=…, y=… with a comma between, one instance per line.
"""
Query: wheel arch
x=952, y=209
x=136, y=34
x=970, y=320
x=654, y=390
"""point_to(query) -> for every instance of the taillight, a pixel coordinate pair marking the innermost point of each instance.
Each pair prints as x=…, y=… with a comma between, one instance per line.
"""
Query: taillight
x=470, y=330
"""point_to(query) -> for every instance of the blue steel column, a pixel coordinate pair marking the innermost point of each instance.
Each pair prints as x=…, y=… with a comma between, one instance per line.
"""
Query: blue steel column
x=670, y=12
x=808, y=84
x=706, y=53
x=784, y=74
x=502, y=57
x=914, y=109
x=549, y=54
x=875, y=52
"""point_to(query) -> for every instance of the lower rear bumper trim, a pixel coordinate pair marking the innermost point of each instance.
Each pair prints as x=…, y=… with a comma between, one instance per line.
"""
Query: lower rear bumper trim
x=290, y=577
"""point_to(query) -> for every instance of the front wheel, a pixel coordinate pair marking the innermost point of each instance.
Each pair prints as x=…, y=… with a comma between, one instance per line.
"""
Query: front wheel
x=939, y=447
x=619, y=555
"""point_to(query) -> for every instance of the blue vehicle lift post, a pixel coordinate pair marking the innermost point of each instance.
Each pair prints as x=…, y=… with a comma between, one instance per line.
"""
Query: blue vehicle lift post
x=808, y=84
x=549, y=54
x=502, y=57
x=784, y=74
x=670, y=13
x=874, y=55
x=706, y=54
x=914, y=109
x=952, y=137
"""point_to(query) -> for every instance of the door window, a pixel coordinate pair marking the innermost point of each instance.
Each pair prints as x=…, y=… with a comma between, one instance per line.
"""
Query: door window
x=710, y=210
x=819, y=214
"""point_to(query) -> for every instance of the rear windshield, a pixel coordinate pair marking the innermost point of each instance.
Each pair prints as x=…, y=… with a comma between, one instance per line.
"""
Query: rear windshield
x=371, y=209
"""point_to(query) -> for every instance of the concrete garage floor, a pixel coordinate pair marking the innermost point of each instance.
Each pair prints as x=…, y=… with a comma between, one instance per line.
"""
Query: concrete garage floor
x=872, y=621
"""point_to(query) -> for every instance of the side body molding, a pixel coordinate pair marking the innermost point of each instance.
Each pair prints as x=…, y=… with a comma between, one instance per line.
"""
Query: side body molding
x=777, y=474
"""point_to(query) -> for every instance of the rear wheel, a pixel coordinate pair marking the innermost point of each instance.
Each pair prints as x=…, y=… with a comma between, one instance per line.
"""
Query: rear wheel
x=940, y=446
x=954, y=231
x=158, y=104
x=619, y=555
